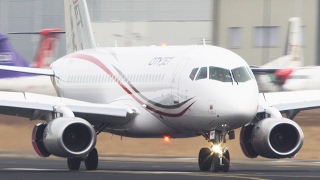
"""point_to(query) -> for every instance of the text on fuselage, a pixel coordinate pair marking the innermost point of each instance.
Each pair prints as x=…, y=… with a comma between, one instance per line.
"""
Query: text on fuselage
x=160, y=61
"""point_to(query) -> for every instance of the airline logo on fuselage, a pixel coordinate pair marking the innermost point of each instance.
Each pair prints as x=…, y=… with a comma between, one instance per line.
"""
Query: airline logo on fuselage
x=6, y=58
x=160, y=61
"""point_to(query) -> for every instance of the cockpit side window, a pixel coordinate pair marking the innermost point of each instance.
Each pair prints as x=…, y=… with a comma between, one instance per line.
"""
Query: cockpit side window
x=193, y=73
x=240, y=74
x=219, y=74
x=203, y=73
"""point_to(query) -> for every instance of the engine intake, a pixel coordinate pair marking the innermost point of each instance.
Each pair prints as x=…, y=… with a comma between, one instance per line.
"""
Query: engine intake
x=284, y=138
x=65, y=137
x=76, y=137
x=271, y=138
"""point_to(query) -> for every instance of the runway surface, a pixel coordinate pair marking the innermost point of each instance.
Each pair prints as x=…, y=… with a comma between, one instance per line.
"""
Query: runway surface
x=155, y=168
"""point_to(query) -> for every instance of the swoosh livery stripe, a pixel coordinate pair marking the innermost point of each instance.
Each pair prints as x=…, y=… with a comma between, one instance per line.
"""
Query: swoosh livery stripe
x=148, y=100
x=105, y=69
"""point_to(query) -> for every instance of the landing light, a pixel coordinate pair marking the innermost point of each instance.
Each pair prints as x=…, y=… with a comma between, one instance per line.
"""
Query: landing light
x=217, y=148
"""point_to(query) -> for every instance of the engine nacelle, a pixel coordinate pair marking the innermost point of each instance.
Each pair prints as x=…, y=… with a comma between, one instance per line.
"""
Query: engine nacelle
x=271, y=138
x=65, y=137
x=37, y=140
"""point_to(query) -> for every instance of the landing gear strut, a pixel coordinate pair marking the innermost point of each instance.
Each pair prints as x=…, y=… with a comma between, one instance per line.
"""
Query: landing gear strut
x=216, y=157
x=91, y=161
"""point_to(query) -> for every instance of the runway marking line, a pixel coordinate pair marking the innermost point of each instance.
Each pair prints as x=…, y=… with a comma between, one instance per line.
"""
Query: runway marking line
x=206, y=174
x=195, y=174
x=140, y=172
x=31, y=169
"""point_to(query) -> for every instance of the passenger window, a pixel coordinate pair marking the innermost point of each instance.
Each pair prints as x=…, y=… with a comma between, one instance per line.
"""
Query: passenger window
x=219, y=74
x=193, y=73
x=203, y=73
x=240, y=74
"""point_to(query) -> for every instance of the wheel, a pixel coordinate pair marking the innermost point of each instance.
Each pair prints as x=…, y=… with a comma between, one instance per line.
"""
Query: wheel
x=91, y=161
x=205, y=159
x=226, y=161
x=74, y=163
x=215, y=162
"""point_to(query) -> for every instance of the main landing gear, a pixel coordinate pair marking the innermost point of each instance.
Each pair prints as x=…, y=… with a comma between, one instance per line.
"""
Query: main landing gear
x=91, y=161
x=216, y=157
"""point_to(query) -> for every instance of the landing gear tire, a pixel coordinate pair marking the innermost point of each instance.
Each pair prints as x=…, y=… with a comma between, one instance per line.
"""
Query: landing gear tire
x=91, y=160
x=74, y=163
x=225, y=161
x=205, y=159
x=215, y=162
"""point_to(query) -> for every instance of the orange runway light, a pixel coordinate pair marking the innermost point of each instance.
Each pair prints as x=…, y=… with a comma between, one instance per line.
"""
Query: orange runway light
x=163, y=44
x=166, y=138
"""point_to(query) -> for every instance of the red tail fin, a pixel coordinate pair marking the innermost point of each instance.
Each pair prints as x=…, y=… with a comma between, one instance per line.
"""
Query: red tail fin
x=47, y=47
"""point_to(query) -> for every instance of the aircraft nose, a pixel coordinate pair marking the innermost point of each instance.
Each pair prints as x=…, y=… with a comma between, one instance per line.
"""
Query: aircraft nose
x=239, y=104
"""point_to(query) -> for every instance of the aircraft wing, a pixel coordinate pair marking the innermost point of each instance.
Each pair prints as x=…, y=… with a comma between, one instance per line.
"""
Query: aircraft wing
x=36, y=71
x=35, y=106
x=289, y=101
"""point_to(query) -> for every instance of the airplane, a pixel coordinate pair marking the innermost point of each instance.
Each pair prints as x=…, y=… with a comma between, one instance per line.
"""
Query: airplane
x=16, y=81
x=304, y=78
x=47, y=46
x=155, y=92
x=271, y=75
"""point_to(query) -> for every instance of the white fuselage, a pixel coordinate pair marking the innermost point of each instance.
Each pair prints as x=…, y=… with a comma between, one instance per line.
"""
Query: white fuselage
x=158, y=81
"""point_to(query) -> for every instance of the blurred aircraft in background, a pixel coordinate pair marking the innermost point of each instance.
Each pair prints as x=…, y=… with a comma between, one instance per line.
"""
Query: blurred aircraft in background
x=305, y=78
x=286, y=73
x=17, y=81
x=291, y=76
x=271, y=76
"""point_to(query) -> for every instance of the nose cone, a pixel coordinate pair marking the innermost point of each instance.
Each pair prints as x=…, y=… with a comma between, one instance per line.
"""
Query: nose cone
x=238, y=104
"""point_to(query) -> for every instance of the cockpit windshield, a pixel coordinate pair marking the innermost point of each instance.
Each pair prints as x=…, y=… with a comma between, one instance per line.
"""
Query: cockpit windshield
x=240, y=74
x=203, y=73
x=219, y=74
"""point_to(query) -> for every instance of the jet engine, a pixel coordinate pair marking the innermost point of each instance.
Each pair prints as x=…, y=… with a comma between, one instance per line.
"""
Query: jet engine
x=64, y=137
x=271, y=138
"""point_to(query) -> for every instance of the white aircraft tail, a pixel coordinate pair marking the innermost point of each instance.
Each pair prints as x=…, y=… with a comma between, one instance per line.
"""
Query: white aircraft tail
x=293, y=52
x=294, y=42
x=79, y=34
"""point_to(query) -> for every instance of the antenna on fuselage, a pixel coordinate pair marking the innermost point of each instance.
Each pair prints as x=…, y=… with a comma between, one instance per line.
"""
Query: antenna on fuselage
x=204, y=41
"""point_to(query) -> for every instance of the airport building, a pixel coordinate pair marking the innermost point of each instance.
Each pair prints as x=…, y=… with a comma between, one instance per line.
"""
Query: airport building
x=254, y=29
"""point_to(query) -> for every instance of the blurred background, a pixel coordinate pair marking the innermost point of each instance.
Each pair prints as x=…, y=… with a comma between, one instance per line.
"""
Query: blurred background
x=254, y=29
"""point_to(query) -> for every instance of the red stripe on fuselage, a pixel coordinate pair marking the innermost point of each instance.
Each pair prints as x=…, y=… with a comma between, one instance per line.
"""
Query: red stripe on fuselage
x=105, y=69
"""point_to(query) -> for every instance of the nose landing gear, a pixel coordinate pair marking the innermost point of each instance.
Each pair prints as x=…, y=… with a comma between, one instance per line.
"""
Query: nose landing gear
x=216, y=157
